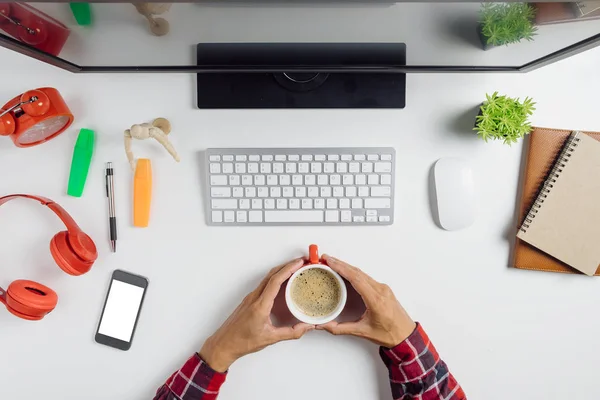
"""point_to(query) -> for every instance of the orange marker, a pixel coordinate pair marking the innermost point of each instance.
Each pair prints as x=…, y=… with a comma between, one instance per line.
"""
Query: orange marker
x=142, y=193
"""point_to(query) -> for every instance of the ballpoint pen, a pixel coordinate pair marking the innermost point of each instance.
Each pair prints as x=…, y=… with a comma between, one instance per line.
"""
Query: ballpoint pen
x=112, y=218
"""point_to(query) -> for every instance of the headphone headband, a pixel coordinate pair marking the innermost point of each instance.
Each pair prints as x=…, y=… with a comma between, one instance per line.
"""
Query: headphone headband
x=64, y=216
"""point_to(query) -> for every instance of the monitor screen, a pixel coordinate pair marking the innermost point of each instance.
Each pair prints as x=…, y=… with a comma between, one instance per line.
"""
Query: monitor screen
x=464, y=34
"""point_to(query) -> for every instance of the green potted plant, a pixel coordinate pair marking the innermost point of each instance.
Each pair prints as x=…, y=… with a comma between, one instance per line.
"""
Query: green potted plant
x=504, y=118
x=505, y=23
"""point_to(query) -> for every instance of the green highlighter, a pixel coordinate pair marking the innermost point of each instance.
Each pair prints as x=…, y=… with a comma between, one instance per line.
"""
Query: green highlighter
x=82, y=13
x=80, y=165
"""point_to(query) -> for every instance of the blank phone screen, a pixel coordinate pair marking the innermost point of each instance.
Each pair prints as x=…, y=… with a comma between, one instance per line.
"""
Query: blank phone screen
x=120, y=313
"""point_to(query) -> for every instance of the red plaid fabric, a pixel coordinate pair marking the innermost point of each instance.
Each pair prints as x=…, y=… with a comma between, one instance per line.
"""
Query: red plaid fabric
x=416, y=373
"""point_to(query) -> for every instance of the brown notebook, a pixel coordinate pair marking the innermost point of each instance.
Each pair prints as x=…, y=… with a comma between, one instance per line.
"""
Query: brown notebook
x=545, y=146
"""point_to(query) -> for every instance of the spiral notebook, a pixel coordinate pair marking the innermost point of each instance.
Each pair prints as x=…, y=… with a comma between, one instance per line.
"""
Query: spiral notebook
x=564, y=220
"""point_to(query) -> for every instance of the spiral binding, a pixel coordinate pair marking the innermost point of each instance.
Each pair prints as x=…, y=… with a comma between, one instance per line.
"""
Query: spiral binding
x=559, y=165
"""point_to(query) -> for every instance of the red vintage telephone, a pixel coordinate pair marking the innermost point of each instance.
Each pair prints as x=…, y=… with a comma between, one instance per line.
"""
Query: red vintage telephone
x=35, y=117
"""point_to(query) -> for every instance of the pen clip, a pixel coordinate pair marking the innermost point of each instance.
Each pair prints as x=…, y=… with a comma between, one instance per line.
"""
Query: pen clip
x=106, y=184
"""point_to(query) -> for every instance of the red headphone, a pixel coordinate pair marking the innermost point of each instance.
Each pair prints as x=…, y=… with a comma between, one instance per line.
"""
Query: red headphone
x=72, y=250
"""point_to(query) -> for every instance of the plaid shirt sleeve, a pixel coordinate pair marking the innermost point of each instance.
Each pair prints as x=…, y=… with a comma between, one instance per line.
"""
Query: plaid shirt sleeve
x=194, y=381
x=417, y=372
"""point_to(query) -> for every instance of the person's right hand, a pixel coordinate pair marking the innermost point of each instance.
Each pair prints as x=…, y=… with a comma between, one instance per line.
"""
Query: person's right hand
x=384, y=322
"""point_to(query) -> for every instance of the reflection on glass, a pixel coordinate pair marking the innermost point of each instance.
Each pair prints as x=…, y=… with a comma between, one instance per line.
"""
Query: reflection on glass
x=154, y=34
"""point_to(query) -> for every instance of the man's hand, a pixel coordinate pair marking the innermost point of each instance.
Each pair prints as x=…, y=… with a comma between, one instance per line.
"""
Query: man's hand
x=249, y=329
x=384, y=322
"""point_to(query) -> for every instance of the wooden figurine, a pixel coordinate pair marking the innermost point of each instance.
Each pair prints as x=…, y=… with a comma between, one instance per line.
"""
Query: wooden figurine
x=158, y=129
x=158, y=26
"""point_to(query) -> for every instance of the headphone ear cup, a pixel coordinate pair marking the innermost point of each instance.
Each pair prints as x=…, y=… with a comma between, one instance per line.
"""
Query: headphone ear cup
x=7, y=125
x=30, y=300
x=66, y=258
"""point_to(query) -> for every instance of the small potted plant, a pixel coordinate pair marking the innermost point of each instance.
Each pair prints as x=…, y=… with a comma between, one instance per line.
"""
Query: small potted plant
x=505, y=23
x=504, y=118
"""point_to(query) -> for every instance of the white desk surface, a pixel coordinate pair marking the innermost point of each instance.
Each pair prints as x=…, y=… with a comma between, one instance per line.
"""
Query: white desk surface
x=504, y=333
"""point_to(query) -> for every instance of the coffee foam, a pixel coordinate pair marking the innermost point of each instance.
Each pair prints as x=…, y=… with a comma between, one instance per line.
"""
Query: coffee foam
x=316, y=292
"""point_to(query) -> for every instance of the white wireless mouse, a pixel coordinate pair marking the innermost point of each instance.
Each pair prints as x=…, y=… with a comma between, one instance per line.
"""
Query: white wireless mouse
x=455, y=192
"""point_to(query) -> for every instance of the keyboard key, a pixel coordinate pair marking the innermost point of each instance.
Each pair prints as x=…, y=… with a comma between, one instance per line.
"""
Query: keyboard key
x=367, y=167
x=383, y=167
x=373, y=179
x=320, y=157
x=242, y=216
x=257, y=204
x=278, y=168
x=265, y=168
x=332, y=203
x=220, y=192
x=357, y=203
x=381, y=191
x=296, y=180
x=310, y=180
x=272, y=180
x=254, y=157
x=294, y=157
x=371, y=219
x=288, y=191
x=329, y=168
x=371, y=213
x=313, y=191
x=338, y=191
x=259, y=180
x=290, y=168
x=240, y=168
x=269, y=204
x=282, y=204
x=378, y=203
x=348, y=180
x=224, y=204
x=359, y=157
x=319, y=203
x=267, y=157
x=373, y=157
x=263, y=191
x=244, y=204
x=316, y=168
x=326, y=191
x=384, y=218
x=280, y=157
x=218, y=180
x=303, y=168
x=250, y=192
x=253, y=168
x=344, y=203
x=227, y=168
x=360, y=179
x=234, y=180
x=238, y=192
x=346, y=157
x=301, y=191
x=241, y=157
x=246, y=180
x=346, y=216
x=333, y=157
x=358, y=219
x=275, y=191
x=386, y=179
x=307, y=204
x=284, y=180
x=354, y=167
x=363, y=191
x=217, y=216
x=255, y=216
x=341, y=168
x=229, y=216
x=335, y=180
x=215, y=168
x=386, y=157
x=228, y=158
x=322, y=180
x=351, y=191
x=294, y=204
x=332, y=216
x=307, y=157
x=214, y=158
x=294, y=216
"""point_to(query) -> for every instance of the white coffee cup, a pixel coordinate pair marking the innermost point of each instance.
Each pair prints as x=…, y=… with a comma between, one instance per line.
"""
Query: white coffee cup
x=296, y=311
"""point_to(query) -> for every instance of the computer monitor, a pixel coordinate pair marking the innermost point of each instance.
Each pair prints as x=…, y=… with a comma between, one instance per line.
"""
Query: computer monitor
x=296, y=45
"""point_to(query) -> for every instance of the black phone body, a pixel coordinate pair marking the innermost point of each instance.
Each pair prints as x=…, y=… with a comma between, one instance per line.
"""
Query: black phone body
x=121, y=310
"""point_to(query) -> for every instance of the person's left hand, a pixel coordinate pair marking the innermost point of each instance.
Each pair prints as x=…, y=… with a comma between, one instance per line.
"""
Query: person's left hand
x=250, y=329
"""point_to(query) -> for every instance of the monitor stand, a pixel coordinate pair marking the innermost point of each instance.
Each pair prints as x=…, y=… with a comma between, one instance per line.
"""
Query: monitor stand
x=348, y=84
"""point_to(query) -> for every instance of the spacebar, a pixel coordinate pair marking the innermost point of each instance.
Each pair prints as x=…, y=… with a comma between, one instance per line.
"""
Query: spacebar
x=294, y=216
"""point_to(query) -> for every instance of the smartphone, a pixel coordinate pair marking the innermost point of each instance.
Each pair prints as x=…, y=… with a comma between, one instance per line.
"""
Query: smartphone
x=121, y=310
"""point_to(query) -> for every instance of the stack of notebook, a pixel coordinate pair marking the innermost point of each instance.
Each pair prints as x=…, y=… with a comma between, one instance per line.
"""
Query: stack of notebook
x=560, y=205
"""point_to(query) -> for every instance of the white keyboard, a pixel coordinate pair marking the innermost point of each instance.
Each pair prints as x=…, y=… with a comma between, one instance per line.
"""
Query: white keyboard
x=308, y=186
